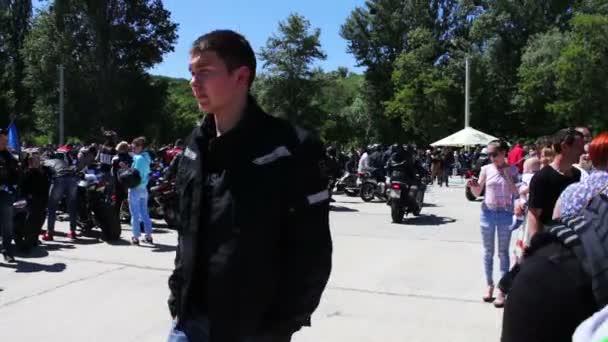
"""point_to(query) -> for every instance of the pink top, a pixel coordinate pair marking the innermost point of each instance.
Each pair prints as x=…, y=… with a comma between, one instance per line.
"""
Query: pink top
x=499, y=193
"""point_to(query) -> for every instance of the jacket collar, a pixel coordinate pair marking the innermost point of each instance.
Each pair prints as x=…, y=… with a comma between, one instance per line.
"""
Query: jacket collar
x=224, y=148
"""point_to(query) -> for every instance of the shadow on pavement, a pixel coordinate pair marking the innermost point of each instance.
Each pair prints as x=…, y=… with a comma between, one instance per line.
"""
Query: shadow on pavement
x=160, y=248
x=430, y=205
x=32, y=267
x=156, y=230
x=341, y=209
x=427, y=220
x=119, y=242
x=34, y=253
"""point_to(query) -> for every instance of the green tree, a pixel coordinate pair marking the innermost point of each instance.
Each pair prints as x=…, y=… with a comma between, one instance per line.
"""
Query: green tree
x=106, y=46
x=382, y=30
x=290, y=84
x=15, y=16
x=564, y=74
x=427, y=99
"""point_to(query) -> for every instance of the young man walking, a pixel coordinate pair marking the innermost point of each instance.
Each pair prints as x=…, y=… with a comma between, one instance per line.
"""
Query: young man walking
x=254, y=251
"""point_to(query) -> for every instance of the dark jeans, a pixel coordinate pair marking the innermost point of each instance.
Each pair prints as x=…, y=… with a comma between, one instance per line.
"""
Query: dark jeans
x=6, y=221
x=66, y=186
x=197, y=330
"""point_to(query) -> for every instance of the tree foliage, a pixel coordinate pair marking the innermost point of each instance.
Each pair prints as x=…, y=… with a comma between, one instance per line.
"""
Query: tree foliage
x=291, y=84
x=15, y=17
x=105, y=47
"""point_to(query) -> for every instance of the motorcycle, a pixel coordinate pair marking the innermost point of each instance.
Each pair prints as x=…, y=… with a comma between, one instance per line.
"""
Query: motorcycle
x=347, y=185
x=164, y=200
x=24, y=239
x=404, y=199
x=95, y=208
x=371, y=188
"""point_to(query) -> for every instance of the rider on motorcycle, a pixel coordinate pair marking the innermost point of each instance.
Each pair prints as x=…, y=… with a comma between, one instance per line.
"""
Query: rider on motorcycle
x=404, y=167
x=400, y=167
x=376, y=164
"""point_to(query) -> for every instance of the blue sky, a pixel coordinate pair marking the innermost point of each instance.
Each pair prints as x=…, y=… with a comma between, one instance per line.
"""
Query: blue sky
x=256, y=20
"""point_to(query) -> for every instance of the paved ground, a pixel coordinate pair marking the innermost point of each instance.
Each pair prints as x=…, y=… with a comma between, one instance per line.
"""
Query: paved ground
x=417, y=281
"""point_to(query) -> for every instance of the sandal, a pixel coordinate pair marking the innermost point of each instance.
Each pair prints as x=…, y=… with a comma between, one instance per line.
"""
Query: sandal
x=499, y=303
x=489, y=296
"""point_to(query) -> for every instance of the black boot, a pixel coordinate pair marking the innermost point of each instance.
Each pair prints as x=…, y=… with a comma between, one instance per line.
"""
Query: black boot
x=9, y=258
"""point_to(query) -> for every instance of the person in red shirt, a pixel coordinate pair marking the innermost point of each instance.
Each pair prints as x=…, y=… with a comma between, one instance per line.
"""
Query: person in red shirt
x=516, y=156
x=177, y=149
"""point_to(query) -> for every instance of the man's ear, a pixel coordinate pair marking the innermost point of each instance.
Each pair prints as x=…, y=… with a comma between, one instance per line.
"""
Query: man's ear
x=244, y=75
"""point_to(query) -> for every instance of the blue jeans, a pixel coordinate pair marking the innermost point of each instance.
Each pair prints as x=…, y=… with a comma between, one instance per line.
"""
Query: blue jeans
x=66, y=186
x=197, y=330
x=495, y=223
x=138, y=205
x=6, y=221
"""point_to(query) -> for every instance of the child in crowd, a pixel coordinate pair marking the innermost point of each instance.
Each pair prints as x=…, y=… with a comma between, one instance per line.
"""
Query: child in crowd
x=531, y=166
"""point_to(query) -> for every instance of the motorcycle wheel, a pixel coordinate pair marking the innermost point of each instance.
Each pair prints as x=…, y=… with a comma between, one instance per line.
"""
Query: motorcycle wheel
x=170, y=216
x=469, y=194
x=20, y=230
x=125, y=212
x=397, y=212
x=367, y=192
x=109, y=222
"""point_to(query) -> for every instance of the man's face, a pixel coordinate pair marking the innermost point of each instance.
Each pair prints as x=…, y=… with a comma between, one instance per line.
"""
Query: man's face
x=3, y=142
x=213, y=86
x=586, y=133
x=575, y=150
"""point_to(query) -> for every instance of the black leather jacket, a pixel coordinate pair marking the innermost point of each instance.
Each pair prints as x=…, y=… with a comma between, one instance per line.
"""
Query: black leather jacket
x=262, y=265
x=9, y=170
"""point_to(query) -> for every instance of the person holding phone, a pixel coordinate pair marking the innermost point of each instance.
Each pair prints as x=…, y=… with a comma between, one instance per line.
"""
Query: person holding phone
x=499, y=179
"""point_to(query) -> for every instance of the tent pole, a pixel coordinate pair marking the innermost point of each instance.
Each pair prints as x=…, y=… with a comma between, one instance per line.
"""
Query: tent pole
x=466, y=93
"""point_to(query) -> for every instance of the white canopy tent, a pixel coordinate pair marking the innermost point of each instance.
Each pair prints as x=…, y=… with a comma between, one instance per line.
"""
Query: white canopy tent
x=466, y=137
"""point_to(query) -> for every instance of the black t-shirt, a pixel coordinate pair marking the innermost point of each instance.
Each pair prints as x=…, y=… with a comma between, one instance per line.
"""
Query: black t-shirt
x=545, y=188
x=548, y=300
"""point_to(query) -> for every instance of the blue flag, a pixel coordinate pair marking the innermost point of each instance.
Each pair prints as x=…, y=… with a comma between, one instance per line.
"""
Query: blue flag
x=13, y=138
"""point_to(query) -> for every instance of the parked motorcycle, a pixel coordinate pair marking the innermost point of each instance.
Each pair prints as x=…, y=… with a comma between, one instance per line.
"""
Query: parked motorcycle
x=371, y=188
x=95, y=207
x=404, y=199
x=164, y=200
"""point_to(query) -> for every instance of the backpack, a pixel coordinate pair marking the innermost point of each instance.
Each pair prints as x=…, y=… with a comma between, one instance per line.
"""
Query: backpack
x=586, y=236
x=130, y=178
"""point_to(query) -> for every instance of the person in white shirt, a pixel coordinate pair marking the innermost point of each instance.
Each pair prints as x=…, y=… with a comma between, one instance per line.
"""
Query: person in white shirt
x=363, y=163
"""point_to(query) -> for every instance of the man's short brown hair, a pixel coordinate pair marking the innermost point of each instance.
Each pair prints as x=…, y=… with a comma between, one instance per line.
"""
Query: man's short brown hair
x=231, y=47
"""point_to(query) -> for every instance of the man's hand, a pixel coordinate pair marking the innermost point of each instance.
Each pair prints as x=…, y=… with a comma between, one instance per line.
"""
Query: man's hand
x=472, y=183
x=519, y=208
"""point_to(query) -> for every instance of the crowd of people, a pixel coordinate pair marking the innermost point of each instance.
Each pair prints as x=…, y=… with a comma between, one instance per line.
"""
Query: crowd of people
x=253, y=259
x=552, y=191
x=47, y=179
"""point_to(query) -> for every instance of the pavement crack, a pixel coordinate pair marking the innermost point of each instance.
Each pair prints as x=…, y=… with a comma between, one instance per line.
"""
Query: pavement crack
x=405, y=295
x=37, y=294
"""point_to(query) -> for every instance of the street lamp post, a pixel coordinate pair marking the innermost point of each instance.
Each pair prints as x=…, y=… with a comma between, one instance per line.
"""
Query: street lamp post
x=61, y=105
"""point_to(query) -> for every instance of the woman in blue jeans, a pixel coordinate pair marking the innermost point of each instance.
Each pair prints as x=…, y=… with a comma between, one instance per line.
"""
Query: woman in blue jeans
x=138, y=196
x=500, y=181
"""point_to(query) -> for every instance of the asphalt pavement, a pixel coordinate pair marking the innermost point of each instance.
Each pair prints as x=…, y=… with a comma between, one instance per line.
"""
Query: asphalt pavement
x=421, y=280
